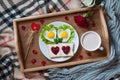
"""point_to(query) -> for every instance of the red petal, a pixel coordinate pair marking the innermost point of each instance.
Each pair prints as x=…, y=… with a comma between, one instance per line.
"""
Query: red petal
x=34, y=51
x=42, y=21
x=23, y=27
x=32, y=26
x=66, y=18
x=35, y=26
x=89, y=53
x=43, y=63
x=92, y=24
x=33, y=61
x=80, y=57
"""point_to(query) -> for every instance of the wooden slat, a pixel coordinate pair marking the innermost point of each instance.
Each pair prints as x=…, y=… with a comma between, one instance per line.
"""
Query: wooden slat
x=62, y=65
x=17, y=46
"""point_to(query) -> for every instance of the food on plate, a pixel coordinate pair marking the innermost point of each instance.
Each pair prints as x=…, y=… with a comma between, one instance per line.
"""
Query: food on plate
x=64, y=34
x=66, y=49
x=58, y=40
x=60, y=50
x=54, y=50
x=50, y=35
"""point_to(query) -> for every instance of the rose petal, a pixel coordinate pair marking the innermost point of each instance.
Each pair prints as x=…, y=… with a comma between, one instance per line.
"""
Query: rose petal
x=23, y=27
x=80, y=57
x=66, y=18
x=89, y=53
x=35, y=26
x=92, y=24
x=33, y=61
x=43, y=63
x=34, y=51
x=42, y=21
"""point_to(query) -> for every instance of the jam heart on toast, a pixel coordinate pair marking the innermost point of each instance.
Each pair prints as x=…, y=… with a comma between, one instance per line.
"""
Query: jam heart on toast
x=55, y=50
x=66, y=49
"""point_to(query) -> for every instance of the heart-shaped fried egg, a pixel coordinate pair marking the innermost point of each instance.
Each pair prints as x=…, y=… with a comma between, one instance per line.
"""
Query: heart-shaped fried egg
x=50, y=35
x=64, y=34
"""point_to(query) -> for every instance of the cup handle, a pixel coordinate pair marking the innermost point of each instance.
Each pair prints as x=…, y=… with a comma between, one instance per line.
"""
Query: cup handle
x=101, y=48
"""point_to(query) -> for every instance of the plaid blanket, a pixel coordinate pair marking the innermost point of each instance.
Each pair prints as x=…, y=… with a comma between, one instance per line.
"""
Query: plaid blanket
x=11, y=9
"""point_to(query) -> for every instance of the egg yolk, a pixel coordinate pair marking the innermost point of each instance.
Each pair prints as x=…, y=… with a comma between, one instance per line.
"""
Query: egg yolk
x=50, y=34
x=64, y=34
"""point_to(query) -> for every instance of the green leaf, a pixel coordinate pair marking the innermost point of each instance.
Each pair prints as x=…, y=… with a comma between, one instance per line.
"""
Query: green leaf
x=57, y=40
x=64, y=27
x=60, y=40
x=46, y=28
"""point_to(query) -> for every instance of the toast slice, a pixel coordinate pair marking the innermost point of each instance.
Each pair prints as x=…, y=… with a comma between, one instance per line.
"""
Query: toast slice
x=54, y=50
x=66, y=49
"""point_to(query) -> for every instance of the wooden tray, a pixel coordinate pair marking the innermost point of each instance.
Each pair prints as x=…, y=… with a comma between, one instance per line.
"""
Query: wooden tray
x=82, y=56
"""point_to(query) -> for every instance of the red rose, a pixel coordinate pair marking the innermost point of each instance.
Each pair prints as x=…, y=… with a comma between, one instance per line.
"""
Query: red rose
x=35, y=26
x=81, y=21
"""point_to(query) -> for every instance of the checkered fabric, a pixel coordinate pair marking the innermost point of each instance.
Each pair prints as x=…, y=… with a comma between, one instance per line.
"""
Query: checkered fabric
x=11, y=9
x=7, y=62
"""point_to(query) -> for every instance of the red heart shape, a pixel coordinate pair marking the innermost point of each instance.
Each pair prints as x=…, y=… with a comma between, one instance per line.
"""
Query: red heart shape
x=55, y=50
x=43, y=63
x=23, y=27
x=66, y=49
x=80, y=57
x=33, y=61
x=42, y=21
x=66, y=18
x=35, y=26
x=34, y=51
x=89, y=53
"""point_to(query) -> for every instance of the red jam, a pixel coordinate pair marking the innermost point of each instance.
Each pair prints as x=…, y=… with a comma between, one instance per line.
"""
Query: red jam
x=55, y=50
x=66, y=49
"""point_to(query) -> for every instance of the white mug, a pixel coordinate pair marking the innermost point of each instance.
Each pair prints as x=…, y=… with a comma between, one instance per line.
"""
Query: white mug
x=91, y=41
x=88, y=3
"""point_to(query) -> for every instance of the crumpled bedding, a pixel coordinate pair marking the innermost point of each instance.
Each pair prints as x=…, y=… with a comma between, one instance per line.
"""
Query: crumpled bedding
x=9, y=66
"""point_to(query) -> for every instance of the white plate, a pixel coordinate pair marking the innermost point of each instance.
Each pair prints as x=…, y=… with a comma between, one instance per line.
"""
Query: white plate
x=44, y=48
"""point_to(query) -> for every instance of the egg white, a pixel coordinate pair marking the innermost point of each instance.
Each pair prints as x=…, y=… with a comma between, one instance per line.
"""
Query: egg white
x=46, y=33
x=68, y=32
